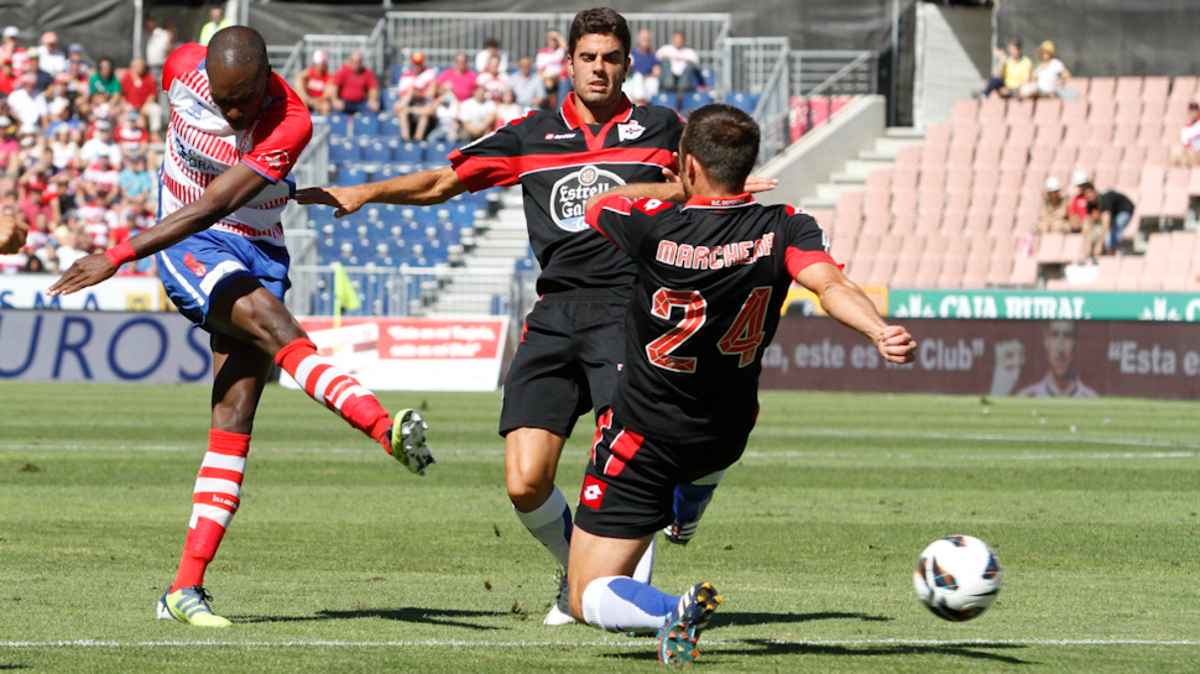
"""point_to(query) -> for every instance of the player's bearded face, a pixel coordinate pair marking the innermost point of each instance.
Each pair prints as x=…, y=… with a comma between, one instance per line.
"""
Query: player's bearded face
x=598, y=66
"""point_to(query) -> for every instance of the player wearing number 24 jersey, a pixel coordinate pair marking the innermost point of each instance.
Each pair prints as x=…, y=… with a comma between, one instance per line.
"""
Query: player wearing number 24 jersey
x=713, y=269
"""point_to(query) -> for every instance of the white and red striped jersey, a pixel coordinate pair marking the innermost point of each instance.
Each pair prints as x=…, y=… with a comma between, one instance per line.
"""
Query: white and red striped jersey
x=201, y=146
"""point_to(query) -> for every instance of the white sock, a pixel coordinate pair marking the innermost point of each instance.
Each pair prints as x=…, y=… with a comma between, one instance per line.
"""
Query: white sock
x=622, y=604
x=551, y=524
x=644, y=573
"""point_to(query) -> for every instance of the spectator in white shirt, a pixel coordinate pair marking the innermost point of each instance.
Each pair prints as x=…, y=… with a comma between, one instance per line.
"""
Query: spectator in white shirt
x=549, y=61
x=1187, y=153
x=1049, y=76
x=508, y=109
x=101, y=144
x=491, y=50
x=53, y=58
x=27, y=104
x=477, y=115
x=682, y=70
x=492, y=78
x=446, y=111
x=527, y=86
x=416, y=98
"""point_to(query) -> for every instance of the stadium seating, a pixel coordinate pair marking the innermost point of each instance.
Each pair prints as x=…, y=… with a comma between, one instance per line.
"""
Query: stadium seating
x=965, y=203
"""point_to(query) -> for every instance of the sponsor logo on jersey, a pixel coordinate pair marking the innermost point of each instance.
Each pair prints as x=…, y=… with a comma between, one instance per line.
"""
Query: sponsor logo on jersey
x=561, y=136
x=570, y=193
x=276, y=159
x=193, y=159
x=592, y=494
x=631, y=130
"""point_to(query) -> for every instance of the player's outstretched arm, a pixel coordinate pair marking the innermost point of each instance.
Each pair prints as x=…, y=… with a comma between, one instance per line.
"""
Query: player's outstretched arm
x=668, y=191
x=415, y=189
x=846, y=302
x=225, y=194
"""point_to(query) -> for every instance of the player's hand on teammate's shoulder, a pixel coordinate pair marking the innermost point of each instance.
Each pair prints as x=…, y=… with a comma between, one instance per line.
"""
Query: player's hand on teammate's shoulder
x=86, y=272
x=756, y=184
x=345, y=199
x=896, y=345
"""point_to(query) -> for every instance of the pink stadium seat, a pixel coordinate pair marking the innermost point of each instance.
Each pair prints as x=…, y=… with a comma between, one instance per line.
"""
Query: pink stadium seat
x=1102, y=88
x=1175, y=205
x=991, y=111
x=1024, y=271
x=1073, y=249
x=843, y=247
x=1049, y=135
x=1129, y=110
x=1066, y=155
x=964, y=110
x=965, y=132
x=868, y=245
x=928, y=273
x=1042, y=156
x=1130, y=275
x=1185, y=245
x=987, y=155
x=1020, y=113
x=999, y=271
x=1020, y=137
x=1129, y=87
x=1193, y=188
x=1100, y=134
x=1177, y=275
x=1106, y=173
x=993, y=134
x=1177, y=180
x=1183, y=88
x=1158, y=248
x=1102, y=110
x=904, y=200
x=1074, y=112
x=880, y=181
x=906, y=222
x=938, y=133
x=1110, y=156
x=1155, y=110
x=1010, y=179
x=904, y=180
x=929, y=221
x=953, y=269
x=905, y=274
x=1048, y=111
x=1157, y=155
x=1155, y=88
x=881, y=271
x=961, y=156
x=1154, y=177
x=1050, y=248
x=958, y=200
x=909, y=157
x=1125, y=135
x=1081, y=85
x=1077, y=135
x=978, y=221
x=983, y=195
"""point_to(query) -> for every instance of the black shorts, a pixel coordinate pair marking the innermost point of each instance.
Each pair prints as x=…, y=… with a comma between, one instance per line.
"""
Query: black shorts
x=630, y=481
x=567, y=362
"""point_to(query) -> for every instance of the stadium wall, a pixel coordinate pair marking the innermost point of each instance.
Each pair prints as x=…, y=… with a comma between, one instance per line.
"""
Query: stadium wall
x=103, y=27
x=1108, y=37
x=993, y=357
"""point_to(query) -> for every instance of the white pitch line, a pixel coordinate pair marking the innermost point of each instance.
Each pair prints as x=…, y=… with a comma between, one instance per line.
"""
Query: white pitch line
x=625, y=643
x=976, y=457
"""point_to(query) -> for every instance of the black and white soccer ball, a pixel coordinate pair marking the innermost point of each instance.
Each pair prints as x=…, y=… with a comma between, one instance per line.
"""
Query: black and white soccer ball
x=957, y=577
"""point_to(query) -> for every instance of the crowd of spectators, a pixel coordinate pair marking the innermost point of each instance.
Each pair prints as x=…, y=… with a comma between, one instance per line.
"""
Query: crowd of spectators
x=476, y=94
x=1104, y=218
x=1014, y=75
x=79, y=141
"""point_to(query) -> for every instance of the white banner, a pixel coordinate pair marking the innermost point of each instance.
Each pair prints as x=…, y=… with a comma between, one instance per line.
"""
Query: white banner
x=120, y=293
x=73, y=346
x=413, y=354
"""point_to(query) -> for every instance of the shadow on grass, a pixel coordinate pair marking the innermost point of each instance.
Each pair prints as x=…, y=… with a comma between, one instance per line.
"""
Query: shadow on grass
x=6, y=667
x=766, y=647
x=410, y=614
x=733, y=619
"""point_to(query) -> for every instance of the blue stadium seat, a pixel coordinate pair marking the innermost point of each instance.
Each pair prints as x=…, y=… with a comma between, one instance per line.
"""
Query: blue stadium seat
x=366, y=124
x=339, y=124
x=697, y=99
x=663, y=99
x=376, y=152
x=344, y=151
x=437, y=151
x=408, y=153
x=426, y=215
x=389, y=126
x=742, y=101
x=351, y=175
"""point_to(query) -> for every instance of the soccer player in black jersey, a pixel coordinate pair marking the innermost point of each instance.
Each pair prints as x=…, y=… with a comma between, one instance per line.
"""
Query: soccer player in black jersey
x=570, y=352
x=713, y=272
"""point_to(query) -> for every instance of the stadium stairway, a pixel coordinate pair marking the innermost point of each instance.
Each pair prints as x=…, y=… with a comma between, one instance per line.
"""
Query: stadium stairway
x=852, y=175
x=500, y=243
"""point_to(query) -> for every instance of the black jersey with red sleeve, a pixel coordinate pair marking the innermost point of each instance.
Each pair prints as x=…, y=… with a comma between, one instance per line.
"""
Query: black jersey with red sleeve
x=712, y=278
x=560, y=163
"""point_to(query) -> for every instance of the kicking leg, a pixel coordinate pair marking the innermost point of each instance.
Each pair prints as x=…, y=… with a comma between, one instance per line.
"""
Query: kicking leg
x=246, y=310
x=240, y=372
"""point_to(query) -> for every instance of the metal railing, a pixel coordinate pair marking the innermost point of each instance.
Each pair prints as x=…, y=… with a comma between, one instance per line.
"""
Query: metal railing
x=772, y=110
x=748, y=63
x=836, y=72
x=410, y=291
x=441, y=35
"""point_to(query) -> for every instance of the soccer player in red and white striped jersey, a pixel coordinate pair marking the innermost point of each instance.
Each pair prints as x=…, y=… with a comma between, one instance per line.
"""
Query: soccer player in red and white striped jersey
x=236, y=130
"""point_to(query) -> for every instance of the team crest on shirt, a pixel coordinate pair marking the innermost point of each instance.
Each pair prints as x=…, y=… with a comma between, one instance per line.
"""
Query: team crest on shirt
x=195, y=266
x=631, y=130
x=570, y=193
x=276, y=159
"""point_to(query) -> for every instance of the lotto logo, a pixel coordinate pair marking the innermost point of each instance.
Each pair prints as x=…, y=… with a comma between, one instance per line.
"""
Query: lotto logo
x=592, y=494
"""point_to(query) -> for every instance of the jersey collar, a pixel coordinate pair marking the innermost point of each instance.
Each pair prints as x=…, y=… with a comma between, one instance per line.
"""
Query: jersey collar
x=720, y=202
x=594, y=141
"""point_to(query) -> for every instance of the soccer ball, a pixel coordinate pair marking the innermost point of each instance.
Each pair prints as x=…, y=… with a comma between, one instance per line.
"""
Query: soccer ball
x=957, y=577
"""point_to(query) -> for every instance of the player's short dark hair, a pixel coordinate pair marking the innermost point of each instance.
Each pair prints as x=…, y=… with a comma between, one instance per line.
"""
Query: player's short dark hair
x=725, y=142
x=599, y=21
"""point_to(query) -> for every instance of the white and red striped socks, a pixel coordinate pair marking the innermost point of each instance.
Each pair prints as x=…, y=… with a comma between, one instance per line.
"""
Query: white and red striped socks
x=336, y=389
x=214, y=501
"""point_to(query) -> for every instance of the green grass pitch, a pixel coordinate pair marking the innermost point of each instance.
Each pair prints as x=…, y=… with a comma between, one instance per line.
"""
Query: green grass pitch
x=340, y=560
